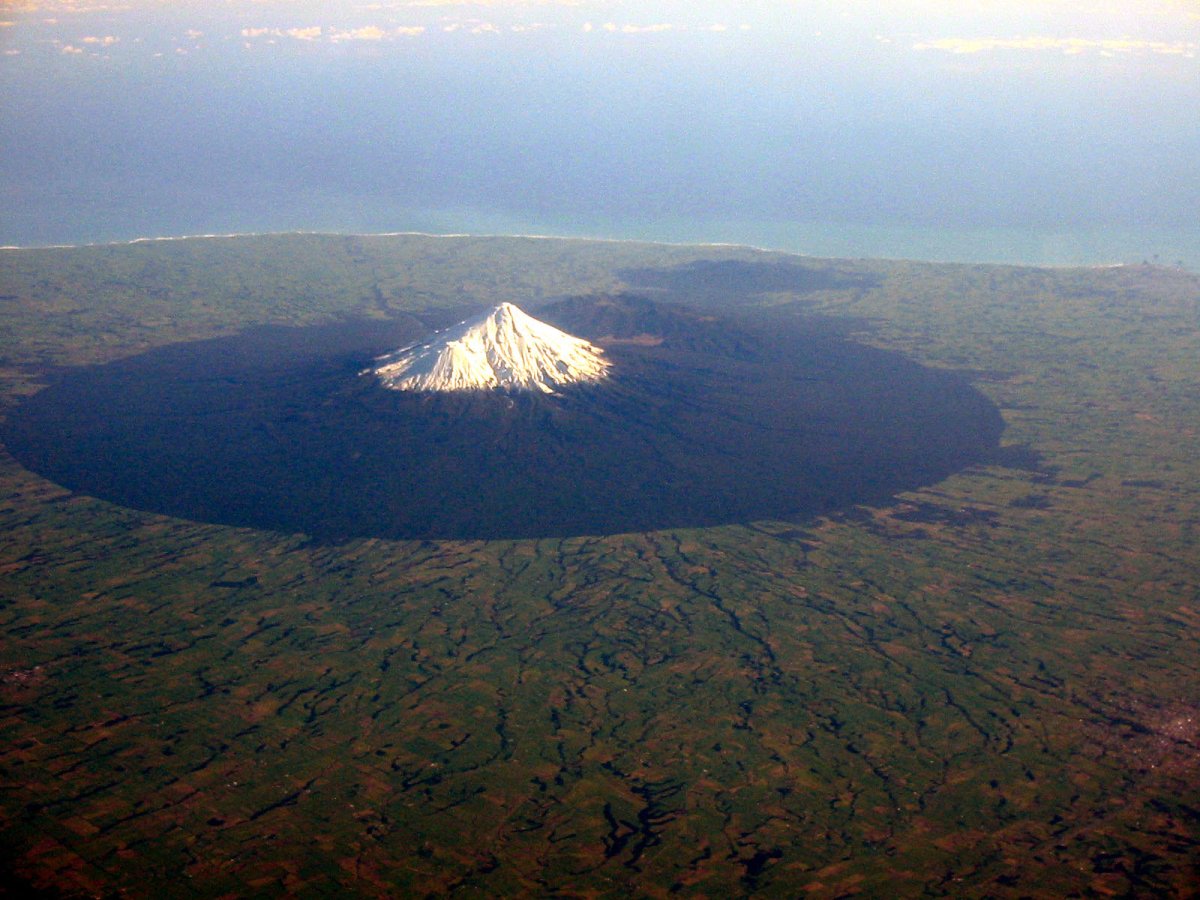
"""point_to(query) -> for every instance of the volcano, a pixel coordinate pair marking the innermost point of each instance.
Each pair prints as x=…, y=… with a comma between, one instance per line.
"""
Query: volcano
x=505, y=348
x=503, y=426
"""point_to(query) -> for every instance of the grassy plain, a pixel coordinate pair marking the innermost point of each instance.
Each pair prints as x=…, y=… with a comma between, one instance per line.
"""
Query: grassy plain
x=988, y=687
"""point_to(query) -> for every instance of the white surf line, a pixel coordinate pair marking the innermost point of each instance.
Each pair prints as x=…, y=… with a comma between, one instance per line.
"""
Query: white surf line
x=717, y=245
x=428, y=234
x=728, y=245
x=148, y=240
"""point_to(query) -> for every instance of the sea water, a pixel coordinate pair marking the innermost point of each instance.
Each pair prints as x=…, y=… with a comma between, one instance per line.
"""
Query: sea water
x=853, y=148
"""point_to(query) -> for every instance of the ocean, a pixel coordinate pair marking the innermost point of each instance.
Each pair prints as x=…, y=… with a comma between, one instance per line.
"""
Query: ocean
x=1009, y=245
x=849, y=146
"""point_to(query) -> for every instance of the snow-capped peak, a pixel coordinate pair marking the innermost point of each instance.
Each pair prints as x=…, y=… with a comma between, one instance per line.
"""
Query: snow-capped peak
x=502, y=349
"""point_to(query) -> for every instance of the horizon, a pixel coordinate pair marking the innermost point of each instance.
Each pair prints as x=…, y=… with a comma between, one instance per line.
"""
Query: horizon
x=1048, y=133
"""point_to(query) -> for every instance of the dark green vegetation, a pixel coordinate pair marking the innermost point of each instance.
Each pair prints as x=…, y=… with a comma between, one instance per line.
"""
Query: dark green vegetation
x=700, y=423
x=986, y=687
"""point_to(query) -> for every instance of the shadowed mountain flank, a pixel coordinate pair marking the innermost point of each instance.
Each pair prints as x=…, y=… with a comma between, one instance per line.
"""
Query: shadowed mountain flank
x=735, y=281
x=633, y=319
x=700, y=422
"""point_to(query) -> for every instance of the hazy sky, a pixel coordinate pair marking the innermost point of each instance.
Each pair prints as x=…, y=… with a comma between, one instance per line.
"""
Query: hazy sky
x=1073, y=27
x=125, y=116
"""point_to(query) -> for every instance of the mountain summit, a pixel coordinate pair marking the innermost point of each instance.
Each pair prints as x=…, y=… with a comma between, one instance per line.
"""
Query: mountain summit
x=503, y=349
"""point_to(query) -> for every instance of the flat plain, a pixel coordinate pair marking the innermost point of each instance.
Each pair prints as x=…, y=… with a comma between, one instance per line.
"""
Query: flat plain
x=987, y=686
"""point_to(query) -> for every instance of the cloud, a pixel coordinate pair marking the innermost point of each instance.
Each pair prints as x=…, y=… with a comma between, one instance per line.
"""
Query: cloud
x=70, y=49
x=661, y=27
x=194, y=34
x=311, y=33
x=366, y=33
x=304, y=34
x=473, y=26
x=638, y=29
x=403, y=3
x=1071, y=46
x=63, y=6
x=316, y=32
x=7, y=24
x=107, y=41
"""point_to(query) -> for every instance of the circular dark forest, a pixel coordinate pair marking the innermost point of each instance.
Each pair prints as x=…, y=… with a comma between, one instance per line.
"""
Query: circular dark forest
x=702, y=423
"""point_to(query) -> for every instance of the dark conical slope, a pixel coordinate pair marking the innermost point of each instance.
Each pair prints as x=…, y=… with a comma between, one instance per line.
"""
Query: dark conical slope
x=698, y=423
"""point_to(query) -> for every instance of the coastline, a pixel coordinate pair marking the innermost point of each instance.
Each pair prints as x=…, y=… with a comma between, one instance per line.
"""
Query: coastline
x=902, y=239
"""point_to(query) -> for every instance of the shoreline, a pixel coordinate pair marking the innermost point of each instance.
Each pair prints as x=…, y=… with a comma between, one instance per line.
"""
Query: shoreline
x=734, y=245
x=406, y=233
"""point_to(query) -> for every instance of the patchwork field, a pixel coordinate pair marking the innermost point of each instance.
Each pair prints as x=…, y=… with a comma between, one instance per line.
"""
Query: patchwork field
x=988, y=686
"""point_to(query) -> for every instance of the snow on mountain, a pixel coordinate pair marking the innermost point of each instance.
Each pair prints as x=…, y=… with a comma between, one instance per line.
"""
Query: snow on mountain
x=501, y=349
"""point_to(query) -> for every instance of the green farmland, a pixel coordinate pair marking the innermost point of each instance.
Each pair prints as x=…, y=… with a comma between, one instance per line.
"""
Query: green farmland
x=986, y=687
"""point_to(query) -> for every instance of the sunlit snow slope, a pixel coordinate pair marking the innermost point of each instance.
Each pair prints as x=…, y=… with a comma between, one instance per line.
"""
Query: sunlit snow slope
x=502, y=349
